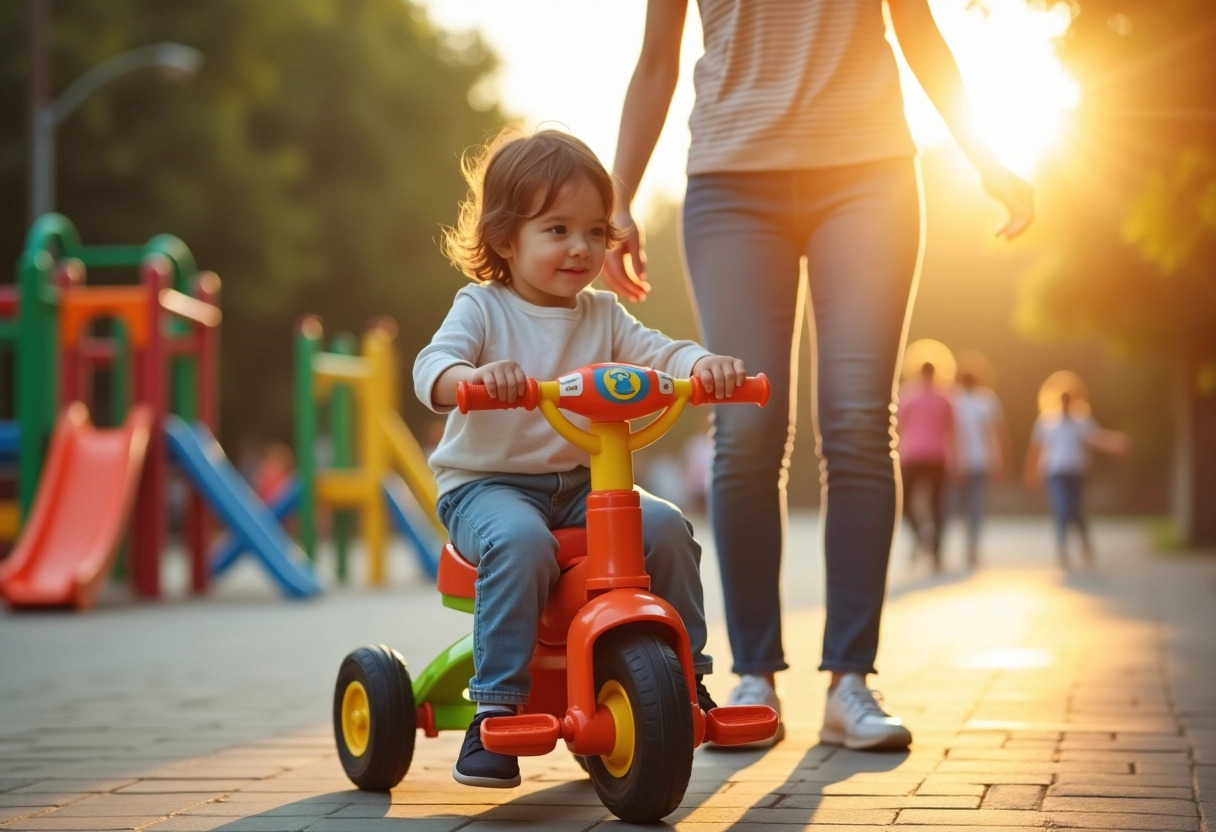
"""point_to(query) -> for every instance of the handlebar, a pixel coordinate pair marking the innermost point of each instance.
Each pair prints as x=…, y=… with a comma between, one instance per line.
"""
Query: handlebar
x=613, y=392
x=753, y=390
x=610, y=396
x=471, y=396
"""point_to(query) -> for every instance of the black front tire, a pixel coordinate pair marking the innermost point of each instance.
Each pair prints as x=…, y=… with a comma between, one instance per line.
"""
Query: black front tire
x=375, y=721
x=649, y=673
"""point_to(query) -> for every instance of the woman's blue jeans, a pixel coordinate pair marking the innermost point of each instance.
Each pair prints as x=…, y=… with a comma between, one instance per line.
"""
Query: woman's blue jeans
x=744, y=237
x=501, y=524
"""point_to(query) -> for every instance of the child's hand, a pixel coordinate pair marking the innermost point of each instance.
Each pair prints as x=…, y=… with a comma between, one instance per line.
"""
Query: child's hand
x=504, y=380
x=720, y=374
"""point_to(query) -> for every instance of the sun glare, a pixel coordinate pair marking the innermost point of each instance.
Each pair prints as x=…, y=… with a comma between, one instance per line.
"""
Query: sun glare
x=1020, y=94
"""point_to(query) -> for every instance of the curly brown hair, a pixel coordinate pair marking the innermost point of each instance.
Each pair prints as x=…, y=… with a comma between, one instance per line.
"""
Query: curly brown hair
x=507, y=179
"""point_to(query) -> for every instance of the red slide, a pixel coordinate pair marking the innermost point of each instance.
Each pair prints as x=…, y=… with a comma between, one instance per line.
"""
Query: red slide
x=71, y=536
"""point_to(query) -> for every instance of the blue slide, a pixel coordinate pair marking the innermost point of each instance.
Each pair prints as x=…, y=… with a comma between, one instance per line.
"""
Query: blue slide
x=229, y=548
x=408, y=519
x=200, y=457
x=10, y=440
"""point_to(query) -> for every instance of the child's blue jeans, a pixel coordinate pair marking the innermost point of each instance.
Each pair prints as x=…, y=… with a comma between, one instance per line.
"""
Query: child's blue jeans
x=501, y=524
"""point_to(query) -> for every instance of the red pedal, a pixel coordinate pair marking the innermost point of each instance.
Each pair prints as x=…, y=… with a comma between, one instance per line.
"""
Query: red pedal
x=736, y=724
x=524, y=735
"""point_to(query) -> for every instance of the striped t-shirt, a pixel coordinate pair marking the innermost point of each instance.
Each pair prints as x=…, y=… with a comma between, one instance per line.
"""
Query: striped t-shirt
x=795, y=84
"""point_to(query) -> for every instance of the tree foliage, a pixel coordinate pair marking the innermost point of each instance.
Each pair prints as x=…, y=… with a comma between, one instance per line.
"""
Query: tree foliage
x=309, y=163
x=1132, y=255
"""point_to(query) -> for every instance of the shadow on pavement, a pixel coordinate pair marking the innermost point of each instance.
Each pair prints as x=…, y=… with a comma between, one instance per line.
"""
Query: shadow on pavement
x=727, y=787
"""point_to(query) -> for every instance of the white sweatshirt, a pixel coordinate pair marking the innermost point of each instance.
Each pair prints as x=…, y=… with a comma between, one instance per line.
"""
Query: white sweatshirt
x=489, y=322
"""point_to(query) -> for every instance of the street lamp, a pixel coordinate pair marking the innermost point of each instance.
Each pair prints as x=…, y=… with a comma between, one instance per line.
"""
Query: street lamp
x=178, y=60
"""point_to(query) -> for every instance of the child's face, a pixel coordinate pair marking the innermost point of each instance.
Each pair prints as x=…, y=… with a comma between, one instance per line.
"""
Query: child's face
x=556, y=255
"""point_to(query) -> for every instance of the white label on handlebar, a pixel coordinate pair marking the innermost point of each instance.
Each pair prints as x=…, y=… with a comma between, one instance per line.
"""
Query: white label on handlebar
x=666, y=385
x=571, y=385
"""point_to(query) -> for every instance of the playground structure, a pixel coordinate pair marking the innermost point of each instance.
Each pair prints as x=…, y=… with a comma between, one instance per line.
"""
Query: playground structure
x=10, y=431
x=363, y=394
x=79, y=484
x=377, y=464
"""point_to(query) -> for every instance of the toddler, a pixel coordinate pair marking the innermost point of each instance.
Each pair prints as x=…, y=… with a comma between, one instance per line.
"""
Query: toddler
x=532, y=235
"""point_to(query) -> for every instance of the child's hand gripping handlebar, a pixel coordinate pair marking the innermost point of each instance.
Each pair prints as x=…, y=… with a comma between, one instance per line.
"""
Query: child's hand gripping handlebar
x=612, y=394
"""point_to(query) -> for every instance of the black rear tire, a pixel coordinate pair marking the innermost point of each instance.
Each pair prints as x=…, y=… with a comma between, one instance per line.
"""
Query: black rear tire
x=375, y=722
x=651, y=678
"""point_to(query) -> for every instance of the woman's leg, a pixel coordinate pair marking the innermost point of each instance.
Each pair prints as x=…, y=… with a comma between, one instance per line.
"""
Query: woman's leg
x=862, y=260
x=743, y=264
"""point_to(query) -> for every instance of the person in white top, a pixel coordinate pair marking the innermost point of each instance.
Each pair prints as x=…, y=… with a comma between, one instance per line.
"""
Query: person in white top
x=983, y=442
x=533, y=235
x=1059, y=453
x=800, y=149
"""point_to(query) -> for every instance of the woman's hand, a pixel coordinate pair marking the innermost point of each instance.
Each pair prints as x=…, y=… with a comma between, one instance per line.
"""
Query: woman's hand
x=504, y=380
x=1015, y=194
x=627, y=277
x=720, y=374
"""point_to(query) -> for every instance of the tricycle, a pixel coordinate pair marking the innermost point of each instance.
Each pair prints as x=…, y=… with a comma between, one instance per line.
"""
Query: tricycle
x=612, y=669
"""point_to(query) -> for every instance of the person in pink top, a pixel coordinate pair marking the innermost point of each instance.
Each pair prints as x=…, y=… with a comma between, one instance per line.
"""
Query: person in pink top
x=926, y=451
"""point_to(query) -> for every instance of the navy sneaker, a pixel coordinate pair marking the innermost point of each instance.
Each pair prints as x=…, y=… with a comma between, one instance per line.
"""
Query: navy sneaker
x=478, y=767
x=706, y=701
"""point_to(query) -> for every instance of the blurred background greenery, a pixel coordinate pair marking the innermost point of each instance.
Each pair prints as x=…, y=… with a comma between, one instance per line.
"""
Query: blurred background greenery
x=312, y=160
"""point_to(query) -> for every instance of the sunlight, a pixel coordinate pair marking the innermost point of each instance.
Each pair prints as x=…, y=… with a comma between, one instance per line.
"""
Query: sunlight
x=584, y=99
x=1009, y=658
x=1020, y=93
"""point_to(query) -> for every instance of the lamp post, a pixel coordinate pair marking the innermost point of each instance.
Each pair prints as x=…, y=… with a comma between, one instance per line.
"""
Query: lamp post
x=45, y=117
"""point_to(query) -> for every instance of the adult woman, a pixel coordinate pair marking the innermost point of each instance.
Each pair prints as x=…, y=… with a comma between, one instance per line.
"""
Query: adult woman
x=800, y=148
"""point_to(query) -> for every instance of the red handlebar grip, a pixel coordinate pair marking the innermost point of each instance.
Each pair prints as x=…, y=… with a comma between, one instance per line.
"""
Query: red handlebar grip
x=754, y=390
x=474, y=397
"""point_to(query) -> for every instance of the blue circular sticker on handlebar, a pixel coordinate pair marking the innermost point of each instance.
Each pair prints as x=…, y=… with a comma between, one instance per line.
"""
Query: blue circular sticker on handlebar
x=621, y=384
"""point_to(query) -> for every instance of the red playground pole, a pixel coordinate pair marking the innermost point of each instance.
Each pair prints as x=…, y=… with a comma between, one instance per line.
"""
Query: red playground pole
x=149, y=516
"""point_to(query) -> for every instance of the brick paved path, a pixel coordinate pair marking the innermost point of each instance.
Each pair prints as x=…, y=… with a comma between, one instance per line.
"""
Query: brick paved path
x=1037, y=700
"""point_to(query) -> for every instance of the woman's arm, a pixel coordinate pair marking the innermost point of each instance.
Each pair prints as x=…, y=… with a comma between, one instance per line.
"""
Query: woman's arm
x=646, y=103
x=931, y=61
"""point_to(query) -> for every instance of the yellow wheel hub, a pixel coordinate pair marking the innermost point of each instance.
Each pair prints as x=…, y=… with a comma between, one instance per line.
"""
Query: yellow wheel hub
x=613, y=697
x=356, y=718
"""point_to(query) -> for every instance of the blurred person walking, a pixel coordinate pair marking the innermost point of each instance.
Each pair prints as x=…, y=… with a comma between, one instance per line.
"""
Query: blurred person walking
x=1059, y=453
x=925, y=424
x=800, y=148
x=982, y=453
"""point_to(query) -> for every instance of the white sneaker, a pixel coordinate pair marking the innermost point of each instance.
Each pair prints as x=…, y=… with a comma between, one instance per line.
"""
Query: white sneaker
x=853, y=718
x=755, y=690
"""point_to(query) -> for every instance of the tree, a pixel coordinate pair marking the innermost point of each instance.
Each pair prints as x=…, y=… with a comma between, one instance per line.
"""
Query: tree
x=1132, y=208
x=309, y=163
